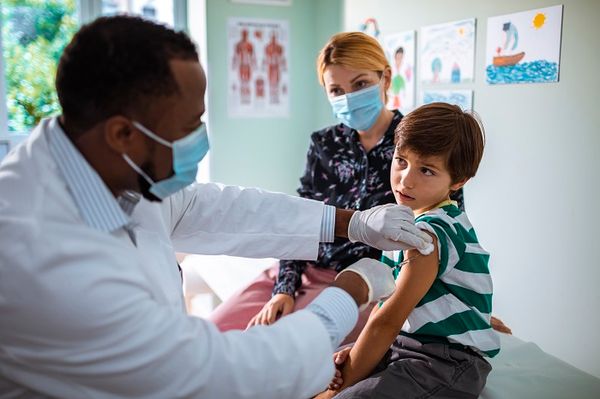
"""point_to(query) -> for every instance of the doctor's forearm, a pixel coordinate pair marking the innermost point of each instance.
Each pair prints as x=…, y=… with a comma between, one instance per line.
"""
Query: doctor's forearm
x=342, y=220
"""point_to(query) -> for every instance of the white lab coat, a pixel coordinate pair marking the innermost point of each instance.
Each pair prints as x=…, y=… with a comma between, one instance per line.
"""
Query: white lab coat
x=84, y=313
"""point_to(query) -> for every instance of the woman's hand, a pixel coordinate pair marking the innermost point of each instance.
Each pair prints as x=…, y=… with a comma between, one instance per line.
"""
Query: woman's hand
x=339, y=358
x=278, y=306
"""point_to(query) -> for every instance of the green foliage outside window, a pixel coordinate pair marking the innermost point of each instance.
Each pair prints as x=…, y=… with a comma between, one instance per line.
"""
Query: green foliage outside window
x=34, y=34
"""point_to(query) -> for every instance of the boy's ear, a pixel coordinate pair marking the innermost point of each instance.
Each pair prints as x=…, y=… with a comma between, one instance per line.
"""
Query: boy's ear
x=459, y=184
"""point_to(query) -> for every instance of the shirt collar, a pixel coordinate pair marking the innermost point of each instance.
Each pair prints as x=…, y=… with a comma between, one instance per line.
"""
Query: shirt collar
x=97, y=206
x=128, y=200
x=439, y=205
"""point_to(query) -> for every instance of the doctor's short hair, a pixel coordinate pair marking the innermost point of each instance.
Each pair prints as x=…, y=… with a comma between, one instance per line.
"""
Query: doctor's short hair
x=114, y=66
x=352, y=50
x=441, y=129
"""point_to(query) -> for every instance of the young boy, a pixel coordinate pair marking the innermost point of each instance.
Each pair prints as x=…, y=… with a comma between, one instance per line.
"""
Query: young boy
x=429, y=339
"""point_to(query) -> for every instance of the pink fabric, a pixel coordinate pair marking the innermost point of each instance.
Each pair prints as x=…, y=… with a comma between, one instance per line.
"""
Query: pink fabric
x=236, y=312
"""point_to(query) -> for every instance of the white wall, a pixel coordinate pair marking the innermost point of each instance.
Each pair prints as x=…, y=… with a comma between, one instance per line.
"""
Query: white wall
x=534, y=200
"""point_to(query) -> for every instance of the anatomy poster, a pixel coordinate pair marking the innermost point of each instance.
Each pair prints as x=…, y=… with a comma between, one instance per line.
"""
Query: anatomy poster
x=400, y=51
x=258, y=61
x=524, y=47
x=448, y=52
x=462, y=98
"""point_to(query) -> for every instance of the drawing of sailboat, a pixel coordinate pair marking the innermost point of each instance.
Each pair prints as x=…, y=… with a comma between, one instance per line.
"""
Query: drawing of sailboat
x=508, y=60
x=512, y=35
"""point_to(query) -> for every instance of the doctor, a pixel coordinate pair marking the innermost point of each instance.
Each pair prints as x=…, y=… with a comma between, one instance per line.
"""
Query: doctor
x=95, y=203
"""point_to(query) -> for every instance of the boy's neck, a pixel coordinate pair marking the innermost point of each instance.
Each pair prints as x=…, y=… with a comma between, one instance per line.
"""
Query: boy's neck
x=447, y=201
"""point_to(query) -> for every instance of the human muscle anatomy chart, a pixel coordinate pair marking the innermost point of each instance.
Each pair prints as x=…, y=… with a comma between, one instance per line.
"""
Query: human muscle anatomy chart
x=244, y=62
x=258, y=76
x=274, y=64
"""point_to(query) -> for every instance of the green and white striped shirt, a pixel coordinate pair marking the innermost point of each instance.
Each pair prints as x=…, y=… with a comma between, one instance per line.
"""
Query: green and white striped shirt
x=458, y=306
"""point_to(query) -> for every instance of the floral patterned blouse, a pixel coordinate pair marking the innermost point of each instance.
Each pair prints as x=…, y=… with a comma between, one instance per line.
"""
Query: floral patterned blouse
x=341, y=173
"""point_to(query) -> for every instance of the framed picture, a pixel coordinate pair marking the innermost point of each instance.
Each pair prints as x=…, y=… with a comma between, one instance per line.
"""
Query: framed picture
x=259, y=78
x=462, y=98
x=4, y=148
x=448, y=52
x=524, y=47
x=265, y=2
x=400, y=52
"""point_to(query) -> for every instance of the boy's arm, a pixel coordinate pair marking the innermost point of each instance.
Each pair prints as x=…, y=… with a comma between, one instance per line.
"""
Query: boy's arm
x=413, y=282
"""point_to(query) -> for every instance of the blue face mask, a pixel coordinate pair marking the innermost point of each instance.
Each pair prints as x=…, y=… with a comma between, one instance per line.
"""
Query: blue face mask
x=187, y=153
x=360, y=109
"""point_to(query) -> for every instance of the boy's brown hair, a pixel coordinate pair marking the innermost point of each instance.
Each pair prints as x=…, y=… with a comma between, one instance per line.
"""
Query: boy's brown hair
x=443, y=129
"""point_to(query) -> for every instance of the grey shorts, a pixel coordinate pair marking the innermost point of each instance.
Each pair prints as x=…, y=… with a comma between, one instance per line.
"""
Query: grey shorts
x=410, y=369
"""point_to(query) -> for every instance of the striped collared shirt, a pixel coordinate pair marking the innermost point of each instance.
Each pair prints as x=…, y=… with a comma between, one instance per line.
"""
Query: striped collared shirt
x=97, y=205
x=458, y=306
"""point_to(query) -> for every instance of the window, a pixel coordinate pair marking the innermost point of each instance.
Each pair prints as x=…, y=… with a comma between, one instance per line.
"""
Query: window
x=34, y=33
x=156, y=10
x=32, y=36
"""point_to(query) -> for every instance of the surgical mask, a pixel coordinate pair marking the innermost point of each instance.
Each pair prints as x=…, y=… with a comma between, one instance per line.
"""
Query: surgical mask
x=360, y=109
x=187, y=153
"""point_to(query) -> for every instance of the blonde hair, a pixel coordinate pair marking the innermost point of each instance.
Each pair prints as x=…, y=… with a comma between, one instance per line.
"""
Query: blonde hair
x=353, y=50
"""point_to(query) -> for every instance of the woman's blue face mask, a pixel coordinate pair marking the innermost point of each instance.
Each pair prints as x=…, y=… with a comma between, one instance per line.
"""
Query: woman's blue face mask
x=187, y=154
x=360, y=109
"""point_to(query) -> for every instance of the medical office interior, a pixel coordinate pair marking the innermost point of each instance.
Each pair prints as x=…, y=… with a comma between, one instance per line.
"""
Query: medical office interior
x=534, y=198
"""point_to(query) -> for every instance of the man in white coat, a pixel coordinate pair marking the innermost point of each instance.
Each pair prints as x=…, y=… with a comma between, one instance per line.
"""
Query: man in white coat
x=93, y=207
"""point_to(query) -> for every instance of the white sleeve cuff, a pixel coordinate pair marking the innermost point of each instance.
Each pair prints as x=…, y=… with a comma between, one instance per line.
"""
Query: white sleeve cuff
x=338, y=312
x=328, y=224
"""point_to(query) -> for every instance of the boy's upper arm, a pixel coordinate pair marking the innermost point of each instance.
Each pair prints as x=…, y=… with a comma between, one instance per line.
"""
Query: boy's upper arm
x=449, y=246
x=413, y=282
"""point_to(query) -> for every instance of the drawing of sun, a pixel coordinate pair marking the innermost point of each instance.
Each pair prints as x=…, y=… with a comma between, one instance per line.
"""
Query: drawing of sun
x=539, y=20
x=461, y=31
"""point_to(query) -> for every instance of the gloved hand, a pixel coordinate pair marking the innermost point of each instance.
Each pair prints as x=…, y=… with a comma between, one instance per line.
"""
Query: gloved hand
x=389, y=227
x=377, y=276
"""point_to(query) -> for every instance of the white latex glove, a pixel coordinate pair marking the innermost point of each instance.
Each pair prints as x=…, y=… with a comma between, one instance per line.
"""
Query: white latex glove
x=378, y=277
x=389, y=227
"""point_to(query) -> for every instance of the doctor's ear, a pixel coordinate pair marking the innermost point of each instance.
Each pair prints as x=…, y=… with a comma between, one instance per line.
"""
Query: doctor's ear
x=120, y=134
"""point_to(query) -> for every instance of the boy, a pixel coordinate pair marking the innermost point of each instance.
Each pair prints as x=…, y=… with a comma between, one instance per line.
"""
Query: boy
x=429, y=339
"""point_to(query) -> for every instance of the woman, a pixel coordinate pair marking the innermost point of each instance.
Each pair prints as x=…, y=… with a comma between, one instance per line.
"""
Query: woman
x=347, y=166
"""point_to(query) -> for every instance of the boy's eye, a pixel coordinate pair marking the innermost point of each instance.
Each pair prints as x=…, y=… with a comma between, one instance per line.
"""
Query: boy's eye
x=427, y=172
x=401, y=162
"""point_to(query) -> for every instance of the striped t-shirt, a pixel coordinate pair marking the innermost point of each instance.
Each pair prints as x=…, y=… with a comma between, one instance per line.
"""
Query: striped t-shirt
x=458, y=306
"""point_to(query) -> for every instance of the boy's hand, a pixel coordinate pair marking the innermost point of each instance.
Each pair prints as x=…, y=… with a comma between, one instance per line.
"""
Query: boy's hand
x=388, y=227
x=278, y=306
x=339, y=358
x=328, y=394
